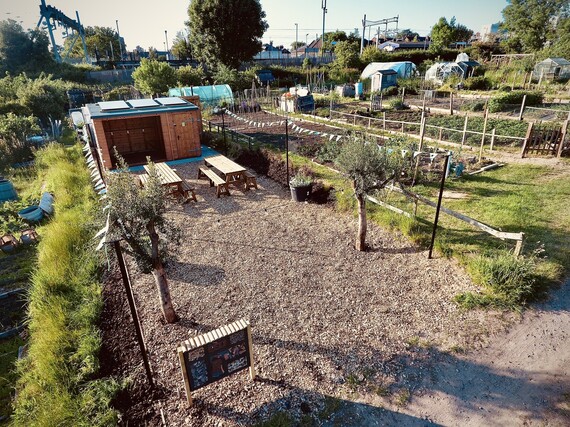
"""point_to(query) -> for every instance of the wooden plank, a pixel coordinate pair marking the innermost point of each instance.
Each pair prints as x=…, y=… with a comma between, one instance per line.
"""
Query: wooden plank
x=499, y=234
x=562, y=138
x=250, y=345
x=185, y=378
x=390, y=207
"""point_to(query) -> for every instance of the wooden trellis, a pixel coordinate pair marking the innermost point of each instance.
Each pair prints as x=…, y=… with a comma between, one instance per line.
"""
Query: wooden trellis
x=551, y=141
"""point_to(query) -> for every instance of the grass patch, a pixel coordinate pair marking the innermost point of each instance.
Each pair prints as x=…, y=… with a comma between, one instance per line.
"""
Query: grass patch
x=280, y=419
x=8, y=357
x=56, y=385
x=402, y=397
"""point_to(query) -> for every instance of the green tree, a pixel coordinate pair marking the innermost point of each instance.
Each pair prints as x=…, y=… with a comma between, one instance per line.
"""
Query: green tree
x=181, y=46
x=98, y=41
x=369, y=169
x=21, y=50
x=532, y=23
x=407, y=34
x=137, y=216
x=44, y=96
x=444, y=33
x=153, y=77
x=373, y=54
x=226, y=31
x=190, y=76
x=347, y=55
x=334, y=37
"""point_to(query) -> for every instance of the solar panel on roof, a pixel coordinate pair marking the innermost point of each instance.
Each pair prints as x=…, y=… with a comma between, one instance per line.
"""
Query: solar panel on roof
x=170, y=100
x=113, y=105
x=142, y=103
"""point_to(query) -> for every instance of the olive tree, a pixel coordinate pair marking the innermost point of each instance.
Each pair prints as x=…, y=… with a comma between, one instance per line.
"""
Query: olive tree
x=369, y=168
x=137, y=216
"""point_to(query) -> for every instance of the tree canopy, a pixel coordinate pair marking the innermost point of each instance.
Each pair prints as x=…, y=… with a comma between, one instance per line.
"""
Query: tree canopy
x=226, y=31
x=98, y=41
x=531, y=24
x=347, y=54
x=444, y=33
x=181, y=46
x=21, y=50
x=154, y=77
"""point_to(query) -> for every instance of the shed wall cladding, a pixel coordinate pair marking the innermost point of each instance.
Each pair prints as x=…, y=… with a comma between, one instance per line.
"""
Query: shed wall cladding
x=162, y=134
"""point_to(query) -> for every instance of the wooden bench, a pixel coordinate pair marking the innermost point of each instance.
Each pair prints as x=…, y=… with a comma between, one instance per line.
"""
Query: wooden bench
x=188, y=192
x=250, y=180
x=215, y=179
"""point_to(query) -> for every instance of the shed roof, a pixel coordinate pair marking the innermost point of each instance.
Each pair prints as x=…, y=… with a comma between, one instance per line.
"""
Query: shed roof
x=557, y=61
x=386, y=72
x=138, y=107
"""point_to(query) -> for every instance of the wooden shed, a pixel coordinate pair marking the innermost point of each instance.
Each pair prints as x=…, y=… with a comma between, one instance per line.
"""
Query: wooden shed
x=162, y=128
x=383, y=79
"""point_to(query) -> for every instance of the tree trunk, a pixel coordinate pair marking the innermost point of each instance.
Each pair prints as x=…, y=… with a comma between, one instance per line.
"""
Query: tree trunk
x=160, y=278
x=361, y=235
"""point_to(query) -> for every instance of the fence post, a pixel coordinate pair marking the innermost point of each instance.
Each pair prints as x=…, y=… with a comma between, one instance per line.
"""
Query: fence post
x=330, y=109
x=440, y=134
x=492, y=139
x=484, y=131
x=209, y=125
x=403, y=131
x=519, y=246
x=354, y=119
x=384, y=119
x=522, y=108
x=527, y=139
x=451, y=103
x=562, y=138
x=464, y=130
x=403, y=94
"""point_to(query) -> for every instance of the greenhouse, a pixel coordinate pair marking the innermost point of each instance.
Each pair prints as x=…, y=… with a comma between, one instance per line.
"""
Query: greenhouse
x=552, y=68
x=404, y=69
x=210, y=96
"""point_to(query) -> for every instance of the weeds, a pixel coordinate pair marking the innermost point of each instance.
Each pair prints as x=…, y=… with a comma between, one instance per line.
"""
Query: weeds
x=403, y=397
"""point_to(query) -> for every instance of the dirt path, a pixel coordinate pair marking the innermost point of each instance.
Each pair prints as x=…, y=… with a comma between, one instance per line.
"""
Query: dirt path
x=521, y=378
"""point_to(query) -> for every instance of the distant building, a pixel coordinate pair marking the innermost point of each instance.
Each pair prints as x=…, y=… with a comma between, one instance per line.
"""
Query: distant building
x=272, y=52
x=490, y=32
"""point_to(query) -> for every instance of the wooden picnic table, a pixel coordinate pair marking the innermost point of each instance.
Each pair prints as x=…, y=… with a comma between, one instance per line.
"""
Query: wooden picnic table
x=169, y=178
x=234, y=173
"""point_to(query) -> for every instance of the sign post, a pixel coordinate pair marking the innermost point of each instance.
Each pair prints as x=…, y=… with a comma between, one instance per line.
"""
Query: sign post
x=209, y=357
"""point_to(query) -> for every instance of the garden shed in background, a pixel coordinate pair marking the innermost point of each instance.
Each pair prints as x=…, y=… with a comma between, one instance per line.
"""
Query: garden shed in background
x=162, y=128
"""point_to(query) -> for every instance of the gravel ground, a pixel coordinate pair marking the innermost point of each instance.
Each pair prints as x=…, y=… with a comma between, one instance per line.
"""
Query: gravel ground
x=326, y=319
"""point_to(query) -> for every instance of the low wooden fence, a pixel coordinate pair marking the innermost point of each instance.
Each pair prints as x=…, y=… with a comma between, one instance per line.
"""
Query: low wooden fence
x=549, y=141
x=438, y=133
x=232, y=135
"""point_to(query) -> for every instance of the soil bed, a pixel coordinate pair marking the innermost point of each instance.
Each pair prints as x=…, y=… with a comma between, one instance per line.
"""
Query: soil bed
x=327, y=321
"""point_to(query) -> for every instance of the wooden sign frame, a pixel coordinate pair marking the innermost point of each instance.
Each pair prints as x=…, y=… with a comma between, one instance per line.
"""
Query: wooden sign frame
x=209, y=357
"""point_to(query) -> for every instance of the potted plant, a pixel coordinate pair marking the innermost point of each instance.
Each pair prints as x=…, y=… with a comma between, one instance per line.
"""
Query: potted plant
x=301, y=186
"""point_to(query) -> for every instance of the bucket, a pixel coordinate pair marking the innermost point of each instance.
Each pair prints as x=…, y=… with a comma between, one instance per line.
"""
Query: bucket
x=31, y=214
x=7, y=191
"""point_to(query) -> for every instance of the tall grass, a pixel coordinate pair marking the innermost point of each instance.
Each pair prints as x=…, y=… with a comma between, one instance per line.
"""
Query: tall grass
x=56, y=384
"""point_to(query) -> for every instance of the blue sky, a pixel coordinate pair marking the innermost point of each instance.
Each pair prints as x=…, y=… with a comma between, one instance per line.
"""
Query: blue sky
x=144, y=22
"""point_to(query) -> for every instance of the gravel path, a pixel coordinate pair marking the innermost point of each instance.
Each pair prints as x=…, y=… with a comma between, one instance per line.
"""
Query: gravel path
x=327, y=321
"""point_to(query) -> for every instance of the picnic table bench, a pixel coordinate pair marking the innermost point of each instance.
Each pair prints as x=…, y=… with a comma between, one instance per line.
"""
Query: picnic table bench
x=215, y=179
x=169, y=178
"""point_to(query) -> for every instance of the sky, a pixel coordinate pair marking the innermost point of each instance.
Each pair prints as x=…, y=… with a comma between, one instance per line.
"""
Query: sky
x=144, y=23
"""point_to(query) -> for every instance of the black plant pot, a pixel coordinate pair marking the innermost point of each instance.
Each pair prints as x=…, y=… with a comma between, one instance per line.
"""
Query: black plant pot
x=301, y=194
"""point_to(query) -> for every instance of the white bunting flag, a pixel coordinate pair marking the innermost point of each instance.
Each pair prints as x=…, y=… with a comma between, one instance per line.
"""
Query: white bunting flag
x=404, y=152
x=417, y=153
x=432, y=156
x=331, y=137
x=338, y=137
x=104, y=229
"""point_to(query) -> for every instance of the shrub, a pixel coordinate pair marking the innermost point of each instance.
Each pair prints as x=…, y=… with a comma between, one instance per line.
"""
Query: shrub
x=397, y=104
x=390, y=91
x=501, y=101
x=477, y=83
x=473, y=106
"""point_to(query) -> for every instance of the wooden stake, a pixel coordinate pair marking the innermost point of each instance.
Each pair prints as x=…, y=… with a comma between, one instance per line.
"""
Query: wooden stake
x=464, y=136
x=451, y=103
x=250, y=344
x=522, y=108
x=519, y=246
x=562, y=138
x=384, y=119
x=185, y=376
x=527, y=139
x=492, y=139
x=484, y=131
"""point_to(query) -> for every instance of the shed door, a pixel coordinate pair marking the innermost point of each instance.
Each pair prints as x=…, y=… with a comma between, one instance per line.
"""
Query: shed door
x=135, y=138
x=187, y=134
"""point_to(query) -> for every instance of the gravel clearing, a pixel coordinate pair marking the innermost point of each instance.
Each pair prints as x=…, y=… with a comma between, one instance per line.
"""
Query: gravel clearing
x=326, y=319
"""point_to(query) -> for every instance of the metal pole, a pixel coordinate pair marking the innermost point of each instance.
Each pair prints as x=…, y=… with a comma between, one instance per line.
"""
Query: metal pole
x=224, y=132
x=324, y=7
x=167, y=49
x=133, y=307
x=119, y=36
x=112, y=53
x=438, y=204
x=296, y=39
x=287, y=147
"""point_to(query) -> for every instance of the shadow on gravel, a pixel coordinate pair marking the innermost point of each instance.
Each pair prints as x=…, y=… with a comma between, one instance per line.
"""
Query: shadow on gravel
x=195, y=274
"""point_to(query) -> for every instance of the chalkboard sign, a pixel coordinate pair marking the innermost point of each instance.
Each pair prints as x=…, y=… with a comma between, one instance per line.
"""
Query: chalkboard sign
x=210, y=357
